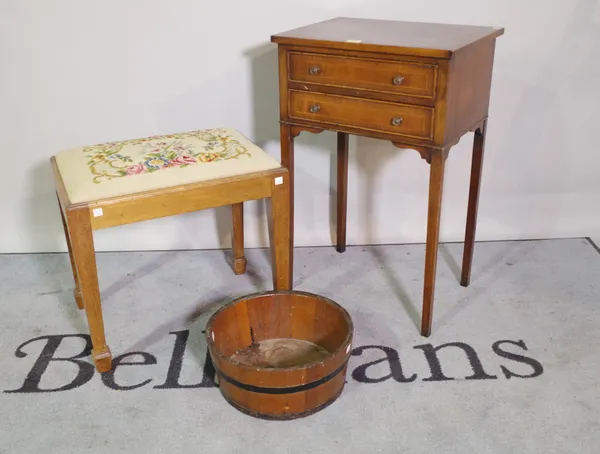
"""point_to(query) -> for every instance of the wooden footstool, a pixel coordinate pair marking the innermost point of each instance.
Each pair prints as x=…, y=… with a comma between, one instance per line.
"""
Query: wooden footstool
x=135, y=180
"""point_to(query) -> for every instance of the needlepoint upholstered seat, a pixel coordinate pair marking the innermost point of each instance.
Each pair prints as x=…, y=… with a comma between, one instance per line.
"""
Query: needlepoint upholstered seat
x=117, y=183
x=130, y=166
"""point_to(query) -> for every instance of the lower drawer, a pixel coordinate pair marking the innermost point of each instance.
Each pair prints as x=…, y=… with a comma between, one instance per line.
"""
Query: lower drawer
x=402, y=119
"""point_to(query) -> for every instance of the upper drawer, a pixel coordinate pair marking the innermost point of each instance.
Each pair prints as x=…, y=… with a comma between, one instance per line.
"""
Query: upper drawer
x=406, y=78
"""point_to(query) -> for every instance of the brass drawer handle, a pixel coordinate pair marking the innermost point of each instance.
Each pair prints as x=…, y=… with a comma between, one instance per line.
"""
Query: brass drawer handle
x=315, y=70
x=397, y=121
x=398, y=80
x=315, y=108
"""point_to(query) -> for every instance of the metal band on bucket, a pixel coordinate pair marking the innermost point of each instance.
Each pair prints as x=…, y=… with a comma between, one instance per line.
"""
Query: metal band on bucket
x=283, y=390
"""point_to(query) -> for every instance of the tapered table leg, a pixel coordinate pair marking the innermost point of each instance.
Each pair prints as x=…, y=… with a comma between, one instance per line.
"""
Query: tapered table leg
x=436, y=183
x=342, y=189
x=287, y=161
x=476, y=168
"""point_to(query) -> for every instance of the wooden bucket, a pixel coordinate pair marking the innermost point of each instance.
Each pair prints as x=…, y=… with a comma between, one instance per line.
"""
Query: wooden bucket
x=280, y=355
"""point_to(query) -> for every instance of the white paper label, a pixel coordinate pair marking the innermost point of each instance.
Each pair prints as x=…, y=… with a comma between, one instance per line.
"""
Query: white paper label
x=356, y=41
x=97, y=212
x=278, y=181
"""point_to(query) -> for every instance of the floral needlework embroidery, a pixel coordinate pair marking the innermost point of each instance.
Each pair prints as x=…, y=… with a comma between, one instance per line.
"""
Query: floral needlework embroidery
x=131, y=157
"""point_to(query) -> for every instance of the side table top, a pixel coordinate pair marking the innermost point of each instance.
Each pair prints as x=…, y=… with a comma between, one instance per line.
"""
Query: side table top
x=388, y=36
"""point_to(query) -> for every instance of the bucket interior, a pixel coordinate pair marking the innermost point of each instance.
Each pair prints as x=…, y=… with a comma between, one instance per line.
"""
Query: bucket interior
x=280, y=353
x=280, y=330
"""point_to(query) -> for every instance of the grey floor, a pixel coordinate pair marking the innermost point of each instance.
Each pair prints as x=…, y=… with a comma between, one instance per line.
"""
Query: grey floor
x=531, y=316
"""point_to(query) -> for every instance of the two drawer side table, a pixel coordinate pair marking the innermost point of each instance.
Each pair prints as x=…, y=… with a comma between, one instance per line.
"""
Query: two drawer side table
x=419, y=85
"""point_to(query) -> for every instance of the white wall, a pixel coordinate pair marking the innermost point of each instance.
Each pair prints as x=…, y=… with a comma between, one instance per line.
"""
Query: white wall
x=78, y=72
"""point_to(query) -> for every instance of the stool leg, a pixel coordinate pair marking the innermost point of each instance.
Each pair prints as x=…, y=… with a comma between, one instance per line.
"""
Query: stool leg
x=436, y=183
x=239, y=261
x=281, y=249
x=476, y=167
x=82, y=244
x=342, y=189
x=76, y=290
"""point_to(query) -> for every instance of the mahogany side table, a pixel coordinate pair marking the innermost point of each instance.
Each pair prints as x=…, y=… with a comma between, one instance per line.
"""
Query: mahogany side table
x=419, y=85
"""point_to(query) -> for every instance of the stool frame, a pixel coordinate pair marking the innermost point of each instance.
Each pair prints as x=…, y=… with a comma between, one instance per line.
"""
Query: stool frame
x=81, y=219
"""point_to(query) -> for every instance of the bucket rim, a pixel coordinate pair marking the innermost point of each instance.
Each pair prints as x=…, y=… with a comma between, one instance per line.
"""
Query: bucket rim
x=346, y=344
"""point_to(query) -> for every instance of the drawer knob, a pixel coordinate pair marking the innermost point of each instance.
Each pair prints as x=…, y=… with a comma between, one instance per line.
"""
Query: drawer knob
x=398, y=80
x=313, y=71
x=315, y=108
x=397, y=121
